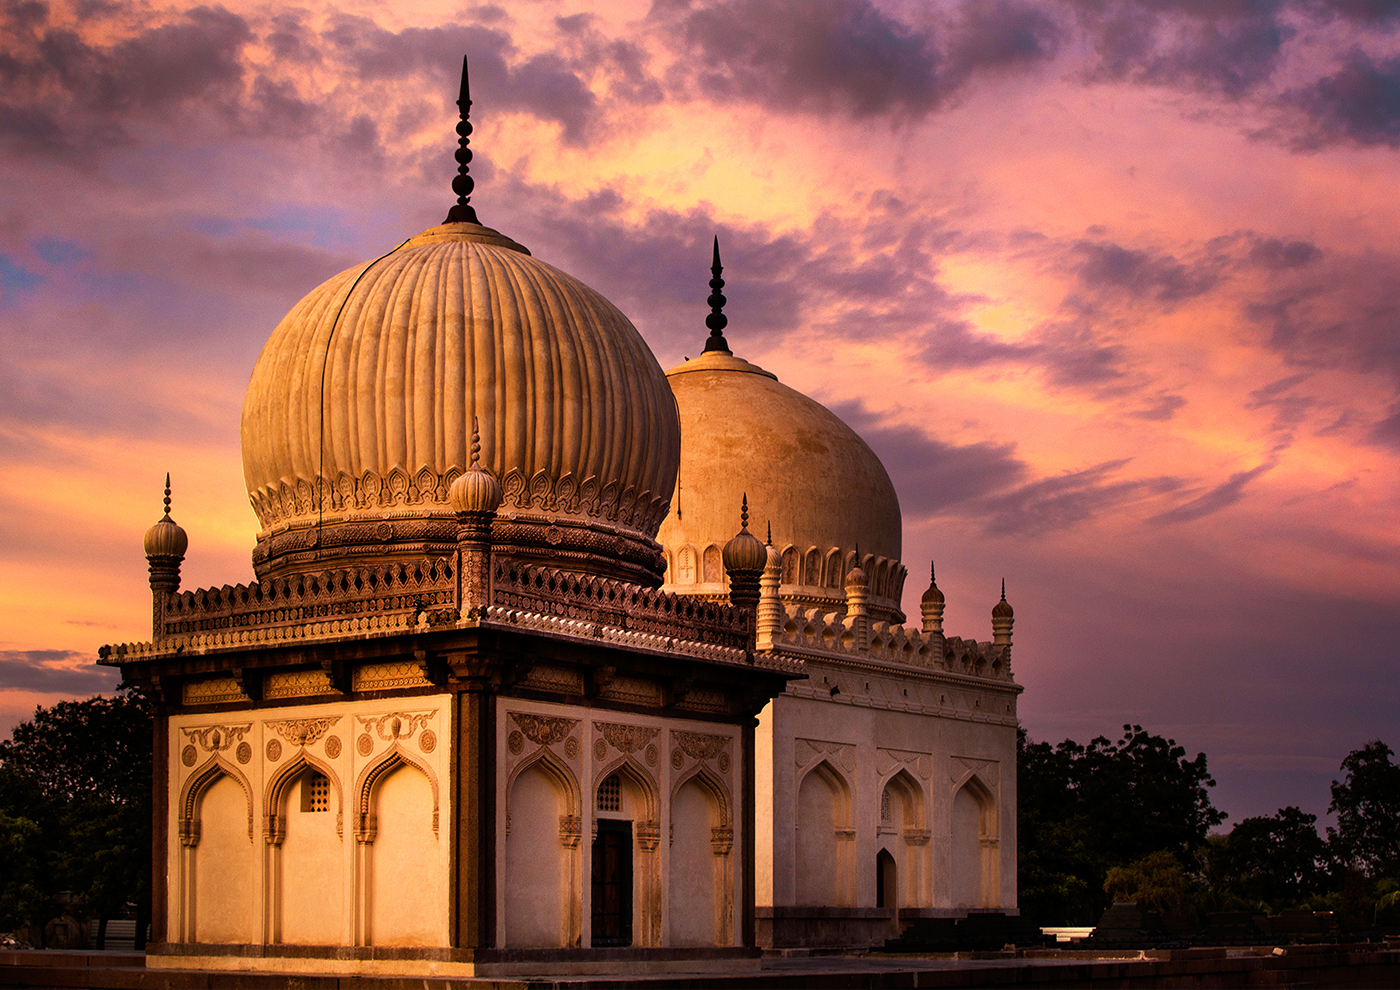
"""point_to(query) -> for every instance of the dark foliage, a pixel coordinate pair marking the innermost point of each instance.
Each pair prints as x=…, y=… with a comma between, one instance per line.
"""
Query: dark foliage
x=1279, y=862
x=1083, y=810
x=75, y=811
x=1367, y=806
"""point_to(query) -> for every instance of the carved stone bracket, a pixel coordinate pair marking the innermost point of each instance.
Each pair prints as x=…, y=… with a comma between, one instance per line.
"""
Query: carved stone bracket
x=648, y=835
x=722, y=840
x=570, y=831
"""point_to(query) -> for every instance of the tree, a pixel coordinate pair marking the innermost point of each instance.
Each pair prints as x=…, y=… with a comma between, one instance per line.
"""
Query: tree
x=1083, y=810
x=1278, y=861
x=75, y=789
x=1157, y=882
x=1367, y=806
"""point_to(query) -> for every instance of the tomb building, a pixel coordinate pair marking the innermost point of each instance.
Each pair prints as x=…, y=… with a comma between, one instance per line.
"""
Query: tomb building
x=886, y=778
x=453, y=726
x=509, y=694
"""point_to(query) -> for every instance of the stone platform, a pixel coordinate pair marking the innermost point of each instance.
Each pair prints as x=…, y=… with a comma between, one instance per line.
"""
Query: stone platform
x=1363, y=965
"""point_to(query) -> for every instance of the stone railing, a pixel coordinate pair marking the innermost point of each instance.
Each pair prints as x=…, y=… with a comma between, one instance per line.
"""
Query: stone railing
x=307, y=599
x=832, y=634
x=570, y=604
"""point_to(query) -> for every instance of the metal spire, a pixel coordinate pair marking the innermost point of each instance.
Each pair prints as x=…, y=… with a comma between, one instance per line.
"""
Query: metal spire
x=716, y=321
x=462, y=183
x=167, y=494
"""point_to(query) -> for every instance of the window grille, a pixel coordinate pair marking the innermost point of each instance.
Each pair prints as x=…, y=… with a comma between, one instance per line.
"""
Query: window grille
x=610, y=794
x=315, y=792
x=886, y=814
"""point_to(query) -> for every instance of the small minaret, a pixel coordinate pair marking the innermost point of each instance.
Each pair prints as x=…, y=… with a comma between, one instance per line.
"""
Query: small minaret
x=931, y=607
x=744, y=560
x=1003, y=617
x=165, y=544
x=462, y=183
x=716, y=321
x=857, y=599
x=770, y=605
x=475, y=496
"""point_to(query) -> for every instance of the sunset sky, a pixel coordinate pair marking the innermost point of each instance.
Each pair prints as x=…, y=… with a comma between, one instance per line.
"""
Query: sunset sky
x=1109, y=286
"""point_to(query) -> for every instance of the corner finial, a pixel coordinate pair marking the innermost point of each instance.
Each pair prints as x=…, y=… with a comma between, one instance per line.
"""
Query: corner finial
x=744, y=513
x=1003, y=589
x=932, y=573
x=462, y=183
x=770, y=533
x=476, y=444
x=716, y=321
x=167, y=494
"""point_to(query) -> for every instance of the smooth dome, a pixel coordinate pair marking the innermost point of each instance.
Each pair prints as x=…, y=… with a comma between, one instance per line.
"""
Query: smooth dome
x=365, y=394
x=806, y=472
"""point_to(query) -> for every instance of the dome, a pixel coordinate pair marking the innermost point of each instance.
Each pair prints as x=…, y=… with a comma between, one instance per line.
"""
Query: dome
x=358, y=417
x=808, y=474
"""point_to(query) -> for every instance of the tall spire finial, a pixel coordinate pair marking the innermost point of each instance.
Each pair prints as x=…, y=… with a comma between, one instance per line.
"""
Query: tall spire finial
x=476, y=445
x=932, y=573
x=462, y=183
x=770, y=532
x=1003, y=589
x=716, y=321
x=167, y=494
x=744, y=513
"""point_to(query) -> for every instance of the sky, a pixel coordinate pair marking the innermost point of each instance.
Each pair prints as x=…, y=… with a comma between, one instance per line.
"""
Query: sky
x=1109, y=286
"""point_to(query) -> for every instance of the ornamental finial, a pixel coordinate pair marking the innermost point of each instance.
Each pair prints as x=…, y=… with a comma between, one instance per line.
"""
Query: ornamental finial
x=744, y=513
x=476, y=444
x=167, y=494
x=716, y=321
x=770, y=533
x=462, y=183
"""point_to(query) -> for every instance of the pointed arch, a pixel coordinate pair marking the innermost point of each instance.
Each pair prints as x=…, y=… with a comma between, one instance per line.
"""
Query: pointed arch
x=377, y=771
x=630, y=770
x=194, y=788
x=902, y=786
x=812, y=567
x=790, y=565
x=822, y=817
x=554, y=768
x=974, y=844
x=834, y=574
x=273, y=824
x=709, y=782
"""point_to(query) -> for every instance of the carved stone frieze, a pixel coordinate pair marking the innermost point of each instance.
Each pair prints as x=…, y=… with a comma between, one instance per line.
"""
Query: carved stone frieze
x=886, y=760
x=217, y=738
x=395, y=725
x=626, y=738
x=543, y=730
x=699, y=745
x=302, y=731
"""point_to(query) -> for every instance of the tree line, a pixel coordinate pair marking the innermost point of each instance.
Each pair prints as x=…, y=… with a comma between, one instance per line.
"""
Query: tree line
x=1132, y=820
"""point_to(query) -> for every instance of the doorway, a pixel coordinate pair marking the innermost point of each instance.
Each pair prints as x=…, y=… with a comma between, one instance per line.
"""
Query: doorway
x=886, y=880
x=612, y=883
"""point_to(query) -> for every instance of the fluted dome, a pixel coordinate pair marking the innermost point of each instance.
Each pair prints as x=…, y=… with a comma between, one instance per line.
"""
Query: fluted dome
x=358, y=417
x=807, y=473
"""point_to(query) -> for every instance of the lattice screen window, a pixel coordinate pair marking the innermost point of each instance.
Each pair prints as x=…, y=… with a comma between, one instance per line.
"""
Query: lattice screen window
x=886, y=813
x=610, y=794
x=315, y=792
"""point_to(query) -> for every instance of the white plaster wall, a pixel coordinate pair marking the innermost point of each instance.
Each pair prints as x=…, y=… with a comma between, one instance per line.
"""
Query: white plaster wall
x=318, y=887
x=654, y=754
x=225, y=867
x=536, y=868
x=877, y=725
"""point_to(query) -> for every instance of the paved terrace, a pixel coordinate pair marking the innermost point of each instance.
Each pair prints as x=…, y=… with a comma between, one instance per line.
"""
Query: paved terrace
x=1361, y=965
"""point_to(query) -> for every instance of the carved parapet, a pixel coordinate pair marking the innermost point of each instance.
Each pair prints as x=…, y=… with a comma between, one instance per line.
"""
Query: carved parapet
x=835, y=635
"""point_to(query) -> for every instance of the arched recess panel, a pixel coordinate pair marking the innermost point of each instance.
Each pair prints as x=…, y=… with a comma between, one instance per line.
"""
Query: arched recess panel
x=693, y=908
x=536, y=878
x=969, y=867
x=407, y=886
x=311, y=886
x=904, y=818
x=225, y=864
x=819, y=814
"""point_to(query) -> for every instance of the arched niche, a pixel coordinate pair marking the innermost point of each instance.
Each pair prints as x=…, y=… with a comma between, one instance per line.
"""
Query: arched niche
x=904, y=833
x=306, y=876
x=542, y=833
x=218, y=861
x=700, y=880
x=974, y=846
x=638, y=804
x=401, y=870
x=825, y=837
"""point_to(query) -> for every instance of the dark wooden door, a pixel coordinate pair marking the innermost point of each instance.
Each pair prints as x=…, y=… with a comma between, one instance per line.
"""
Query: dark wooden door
x=612, y=883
